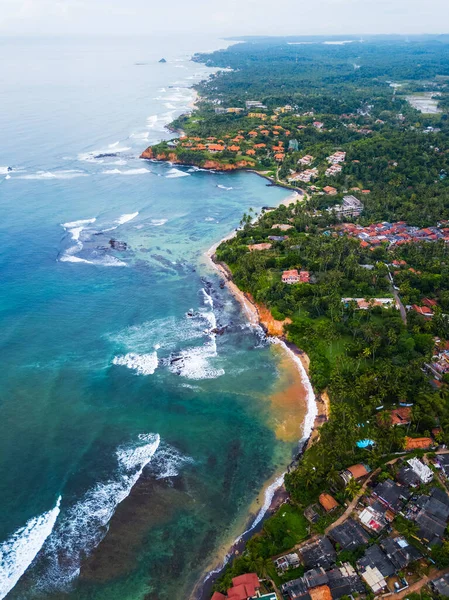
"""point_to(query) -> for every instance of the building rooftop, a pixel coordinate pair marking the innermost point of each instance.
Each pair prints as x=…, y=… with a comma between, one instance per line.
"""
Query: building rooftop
x=375, y=558
x=391, y=494
x=319, y=553
x=328, y=502
x=349, y=535
x=399, y=551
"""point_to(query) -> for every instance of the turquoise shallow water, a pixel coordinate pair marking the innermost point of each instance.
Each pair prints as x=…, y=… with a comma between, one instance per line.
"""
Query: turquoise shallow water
x=132, y=440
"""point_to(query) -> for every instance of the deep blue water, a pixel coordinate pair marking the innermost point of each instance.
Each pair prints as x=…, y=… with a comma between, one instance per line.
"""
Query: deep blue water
x=132, y=440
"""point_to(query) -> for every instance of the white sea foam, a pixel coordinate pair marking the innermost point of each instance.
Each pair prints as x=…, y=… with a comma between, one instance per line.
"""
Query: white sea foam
x=168, y=462
x=127, y=172
x=79, y=223
x=165, y=333
x=85, y=524
x=5, y=170
x=173, y=173
x=98, y=155
x=126, y=217
x=158, y=222
x=194, y=363
x=169, y=105
x=47, y=175
x=143, y=364
x=223, y=187
x=19, y=551
x=144, y=135
x=8, y=177
x=106, y=261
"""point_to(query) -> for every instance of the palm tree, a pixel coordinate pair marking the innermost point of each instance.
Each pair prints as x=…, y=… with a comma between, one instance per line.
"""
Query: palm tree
x=352, y=488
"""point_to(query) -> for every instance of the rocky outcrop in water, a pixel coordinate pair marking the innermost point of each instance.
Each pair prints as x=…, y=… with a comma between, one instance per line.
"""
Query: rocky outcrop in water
x=213, y=165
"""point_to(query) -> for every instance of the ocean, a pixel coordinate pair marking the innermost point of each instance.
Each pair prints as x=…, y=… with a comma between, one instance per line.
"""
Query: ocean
x=133, y=440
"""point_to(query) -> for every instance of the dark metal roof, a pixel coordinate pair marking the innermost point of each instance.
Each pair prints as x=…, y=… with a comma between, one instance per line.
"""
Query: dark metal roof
x=350, y=535
x=374, y=557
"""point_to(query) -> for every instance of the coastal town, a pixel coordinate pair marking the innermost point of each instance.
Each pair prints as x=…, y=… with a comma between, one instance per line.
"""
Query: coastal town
x=351, y=272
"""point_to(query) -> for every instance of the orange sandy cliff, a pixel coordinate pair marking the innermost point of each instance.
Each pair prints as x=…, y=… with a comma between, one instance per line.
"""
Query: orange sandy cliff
x=270, y=324
x=206, y=164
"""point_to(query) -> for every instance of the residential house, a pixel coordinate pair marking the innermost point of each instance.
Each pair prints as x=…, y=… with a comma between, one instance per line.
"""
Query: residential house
x=329, y=190
x=350, y=207
x=318, y=584
x=288, y=561
x=441, y=585
x=319, y=553
x=407, y=476
x=344, y=581
x=333, y=170
x=421, y=443
x=372, y=519
x=311, y=514
x=254, y=104
x=306, y=160
x=349, y=535
x=318, y=125
x=422, y=471
x=293, y=276
x=337, y=157
x=391, y=494
x=399, y=551
x=244, y=587
x=375, y=560
x=304, y=176
x=262, y=246
x=282, y=226
x=401, y=416
x=328, y=502
x=299, y=588
x=355, y=472
x=430, y=513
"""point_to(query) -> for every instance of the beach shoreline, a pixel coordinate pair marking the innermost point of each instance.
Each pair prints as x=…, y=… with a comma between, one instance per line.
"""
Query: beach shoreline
x=317, y=413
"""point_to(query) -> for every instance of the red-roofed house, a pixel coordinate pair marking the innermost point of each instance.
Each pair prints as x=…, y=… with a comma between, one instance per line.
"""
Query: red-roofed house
x=291, y=276
x=425, y=311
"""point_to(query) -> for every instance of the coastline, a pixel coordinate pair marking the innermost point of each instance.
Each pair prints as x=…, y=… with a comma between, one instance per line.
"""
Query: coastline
x=273, y=492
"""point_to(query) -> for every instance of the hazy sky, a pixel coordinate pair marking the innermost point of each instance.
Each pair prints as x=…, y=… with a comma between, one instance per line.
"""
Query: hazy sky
x=224, y=17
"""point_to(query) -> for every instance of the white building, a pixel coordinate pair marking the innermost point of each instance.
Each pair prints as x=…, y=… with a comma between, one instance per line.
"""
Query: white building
x=424, y=473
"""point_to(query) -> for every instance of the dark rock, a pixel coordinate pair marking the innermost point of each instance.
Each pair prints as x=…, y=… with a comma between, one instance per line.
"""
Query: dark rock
x=117, y=245
x=162, y=60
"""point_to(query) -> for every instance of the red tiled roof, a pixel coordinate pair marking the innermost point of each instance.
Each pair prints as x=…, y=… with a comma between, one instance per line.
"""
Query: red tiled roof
x=418, y=443
x=247, y=578
x=328, y=502
x=218, y=596
x=358, y=471
x=401, y=416
x=322, y=592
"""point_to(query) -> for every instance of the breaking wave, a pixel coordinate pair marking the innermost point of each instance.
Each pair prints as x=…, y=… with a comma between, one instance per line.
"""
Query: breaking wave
x=143, y=364
x=141, y=171
x=223, y=187
x=85, y=524
x=127, y=217
x=19, y=551
x=47, y=175
x=158, y=222
x=173, y=173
